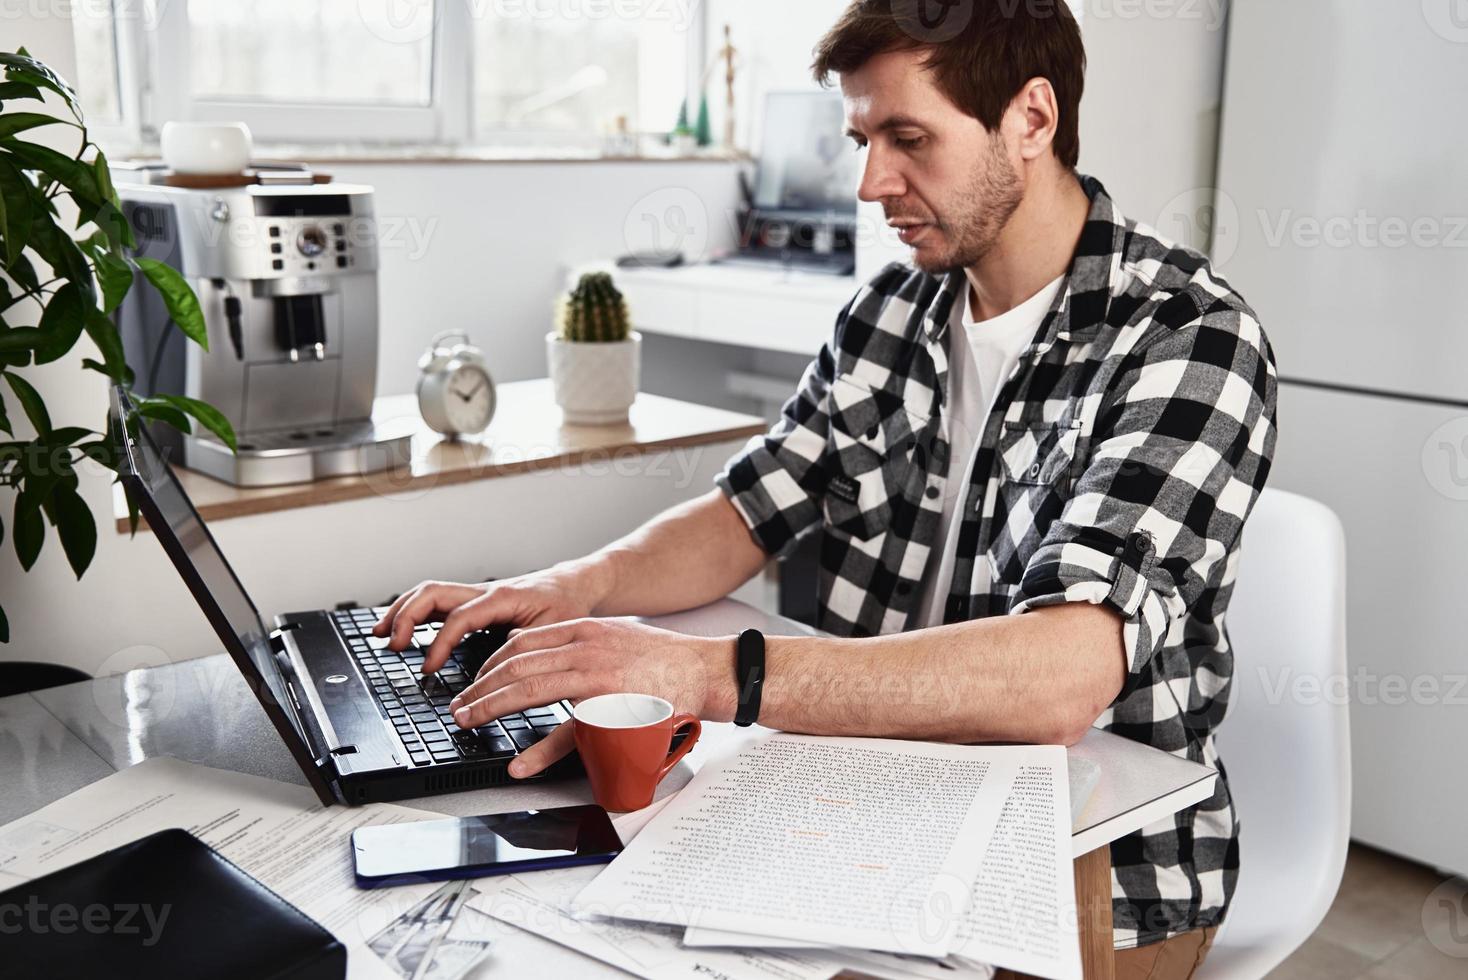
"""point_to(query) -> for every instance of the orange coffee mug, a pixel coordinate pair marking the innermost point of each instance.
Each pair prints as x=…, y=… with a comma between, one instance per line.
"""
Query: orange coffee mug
x=624, y=740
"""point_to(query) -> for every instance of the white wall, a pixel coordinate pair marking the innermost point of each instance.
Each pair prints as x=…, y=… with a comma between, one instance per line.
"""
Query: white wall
x=485, y=247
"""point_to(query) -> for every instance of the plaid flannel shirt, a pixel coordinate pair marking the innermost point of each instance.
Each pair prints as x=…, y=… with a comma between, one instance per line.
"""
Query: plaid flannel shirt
x=1117, y=466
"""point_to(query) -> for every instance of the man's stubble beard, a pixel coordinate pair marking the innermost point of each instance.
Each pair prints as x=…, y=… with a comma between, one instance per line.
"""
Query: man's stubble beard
x=979, y=214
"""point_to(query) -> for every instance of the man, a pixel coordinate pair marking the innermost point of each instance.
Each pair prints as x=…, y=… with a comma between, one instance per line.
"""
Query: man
x=1031, y=457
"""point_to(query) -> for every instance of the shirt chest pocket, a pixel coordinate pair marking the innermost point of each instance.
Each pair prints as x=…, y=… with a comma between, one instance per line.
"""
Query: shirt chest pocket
x=869, y=457
x=1039, y=455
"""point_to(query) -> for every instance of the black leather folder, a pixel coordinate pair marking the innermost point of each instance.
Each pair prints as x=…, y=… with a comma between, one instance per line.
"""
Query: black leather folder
x=164, y=906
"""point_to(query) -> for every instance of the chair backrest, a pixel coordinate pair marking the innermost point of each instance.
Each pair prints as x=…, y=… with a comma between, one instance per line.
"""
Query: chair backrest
x=1285, y=742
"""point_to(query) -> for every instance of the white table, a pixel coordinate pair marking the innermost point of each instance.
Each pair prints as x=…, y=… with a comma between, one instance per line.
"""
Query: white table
x=54, y=742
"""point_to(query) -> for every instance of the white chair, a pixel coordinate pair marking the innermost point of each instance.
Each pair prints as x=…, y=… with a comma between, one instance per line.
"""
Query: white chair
x=1285, y=742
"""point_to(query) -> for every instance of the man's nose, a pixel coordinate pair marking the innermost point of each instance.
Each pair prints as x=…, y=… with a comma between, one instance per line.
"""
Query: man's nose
x=879, y=179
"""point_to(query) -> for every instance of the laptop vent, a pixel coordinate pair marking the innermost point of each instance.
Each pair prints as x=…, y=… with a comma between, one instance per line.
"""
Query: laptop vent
x=469, y=779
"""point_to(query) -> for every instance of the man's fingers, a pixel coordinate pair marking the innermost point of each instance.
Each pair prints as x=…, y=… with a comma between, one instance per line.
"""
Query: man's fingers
x=539, y=638
x=524, y=666
x=532, y=692
x=474, y=614
x=426, y=602
x=384, y=625
x=545, y=753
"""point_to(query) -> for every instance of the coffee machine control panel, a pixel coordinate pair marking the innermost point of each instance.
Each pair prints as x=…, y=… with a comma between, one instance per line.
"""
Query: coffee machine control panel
x=315, y=234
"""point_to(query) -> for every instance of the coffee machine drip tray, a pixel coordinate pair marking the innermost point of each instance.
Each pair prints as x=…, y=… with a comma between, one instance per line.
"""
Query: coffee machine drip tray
x=281, y=456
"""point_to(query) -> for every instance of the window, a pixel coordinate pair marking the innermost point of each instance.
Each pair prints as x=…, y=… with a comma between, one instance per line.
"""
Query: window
x=573, y=66
x=286, y=51
x=94, y=27
x=528, y=73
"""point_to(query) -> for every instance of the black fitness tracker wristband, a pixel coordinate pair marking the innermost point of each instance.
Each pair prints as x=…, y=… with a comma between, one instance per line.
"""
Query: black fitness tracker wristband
x=749, y=674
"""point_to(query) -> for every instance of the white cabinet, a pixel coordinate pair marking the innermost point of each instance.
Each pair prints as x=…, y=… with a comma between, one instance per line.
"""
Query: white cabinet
x=1397, y=474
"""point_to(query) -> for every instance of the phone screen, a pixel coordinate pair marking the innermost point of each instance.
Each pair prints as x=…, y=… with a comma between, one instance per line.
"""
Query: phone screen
x=466, y=847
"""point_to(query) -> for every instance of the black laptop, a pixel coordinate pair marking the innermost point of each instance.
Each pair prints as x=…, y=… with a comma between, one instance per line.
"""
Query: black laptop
x=359, y=719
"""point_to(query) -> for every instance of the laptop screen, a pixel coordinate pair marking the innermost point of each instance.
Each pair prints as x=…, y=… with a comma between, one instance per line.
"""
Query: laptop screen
x=806, y=162
x=171, y=515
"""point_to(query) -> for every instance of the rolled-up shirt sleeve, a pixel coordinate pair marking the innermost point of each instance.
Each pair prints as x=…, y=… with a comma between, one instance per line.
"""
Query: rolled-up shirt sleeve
x=777, y=481
x=1180, y=452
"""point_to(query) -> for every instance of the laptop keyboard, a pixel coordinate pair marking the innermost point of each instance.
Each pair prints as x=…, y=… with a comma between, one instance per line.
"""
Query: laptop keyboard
x=418, y=706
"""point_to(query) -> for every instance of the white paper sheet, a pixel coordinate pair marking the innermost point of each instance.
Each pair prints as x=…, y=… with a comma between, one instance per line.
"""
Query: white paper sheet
x=538, y=903
x=277, y=832
x=847, y=842
x=1023, y=912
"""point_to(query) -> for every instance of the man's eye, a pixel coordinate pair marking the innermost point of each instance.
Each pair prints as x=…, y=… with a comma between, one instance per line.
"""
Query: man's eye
x=859, y=144
x=909, y=143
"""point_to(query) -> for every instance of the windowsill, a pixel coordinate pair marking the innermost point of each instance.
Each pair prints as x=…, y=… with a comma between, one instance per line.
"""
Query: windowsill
x=352, y=153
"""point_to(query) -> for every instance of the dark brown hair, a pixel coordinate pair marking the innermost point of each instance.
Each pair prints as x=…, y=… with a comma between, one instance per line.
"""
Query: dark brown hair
x=981, y=53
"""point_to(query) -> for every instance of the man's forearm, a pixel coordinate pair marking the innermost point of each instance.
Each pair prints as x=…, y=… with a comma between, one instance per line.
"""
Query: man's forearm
x=687, y=556
x=1042, y=677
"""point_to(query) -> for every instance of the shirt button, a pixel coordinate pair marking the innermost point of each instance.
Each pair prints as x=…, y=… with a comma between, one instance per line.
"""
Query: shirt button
x=903, y=588
x=1035, y=470
x=932, y=492
x=873, y=432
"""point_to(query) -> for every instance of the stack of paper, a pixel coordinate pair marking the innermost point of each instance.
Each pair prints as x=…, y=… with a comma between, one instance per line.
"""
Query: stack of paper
x=799, y=856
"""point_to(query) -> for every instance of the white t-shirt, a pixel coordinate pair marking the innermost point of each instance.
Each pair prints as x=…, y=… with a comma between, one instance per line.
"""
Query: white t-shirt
x=976, y=372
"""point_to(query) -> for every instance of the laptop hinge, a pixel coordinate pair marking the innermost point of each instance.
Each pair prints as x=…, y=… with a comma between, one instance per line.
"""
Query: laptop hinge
x=315, y=737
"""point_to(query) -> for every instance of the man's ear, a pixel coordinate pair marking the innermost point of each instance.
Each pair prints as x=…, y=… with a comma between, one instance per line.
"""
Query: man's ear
x=1034, y=115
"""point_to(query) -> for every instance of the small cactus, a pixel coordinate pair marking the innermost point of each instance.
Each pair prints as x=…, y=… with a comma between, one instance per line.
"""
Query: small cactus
x=593, y=312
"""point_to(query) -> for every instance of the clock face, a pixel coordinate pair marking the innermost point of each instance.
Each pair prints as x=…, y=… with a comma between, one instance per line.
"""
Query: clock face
x=468, y=399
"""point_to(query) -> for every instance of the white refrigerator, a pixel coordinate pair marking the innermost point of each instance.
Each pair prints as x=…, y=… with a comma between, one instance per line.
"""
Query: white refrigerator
x=1341, y=215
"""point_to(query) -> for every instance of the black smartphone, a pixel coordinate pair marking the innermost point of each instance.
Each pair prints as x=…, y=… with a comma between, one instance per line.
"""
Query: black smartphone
x=477, y=847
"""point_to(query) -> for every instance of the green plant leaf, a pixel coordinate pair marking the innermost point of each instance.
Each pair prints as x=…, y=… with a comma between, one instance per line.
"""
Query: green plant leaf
x=21, y=67
x=114, y=275
x=30, y=400
x=19, y=339
x=4, y=624
x=103, y=175
x=77, y=177
x=15, y=122
x=15, y=91
x=61, y=323
x=209, y=416
x=73, y=521
x=24, y=273
x=15, y=223
x=179, y=298
x=5, y=428
x=164, y=412
x=104, y=334
x=29, y=530
x=63, y=255
x=102, y=451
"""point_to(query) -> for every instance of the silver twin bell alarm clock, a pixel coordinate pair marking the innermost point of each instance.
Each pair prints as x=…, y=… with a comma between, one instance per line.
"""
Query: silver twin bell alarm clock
x=455, y=391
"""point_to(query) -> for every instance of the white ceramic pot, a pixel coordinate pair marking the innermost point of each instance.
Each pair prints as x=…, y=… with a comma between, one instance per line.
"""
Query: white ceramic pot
x=205, y=148
x=595, y=383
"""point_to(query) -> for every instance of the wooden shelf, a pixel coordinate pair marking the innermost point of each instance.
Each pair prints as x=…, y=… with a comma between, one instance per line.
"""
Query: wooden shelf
x=526, y=435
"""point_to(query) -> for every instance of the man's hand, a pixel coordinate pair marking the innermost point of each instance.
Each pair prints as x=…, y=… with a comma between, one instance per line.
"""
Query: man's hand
x=537, y=599
x=586, y=657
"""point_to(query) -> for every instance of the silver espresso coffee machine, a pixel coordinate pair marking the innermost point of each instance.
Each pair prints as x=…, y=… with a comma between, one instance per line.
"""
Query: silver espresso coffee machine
x=285, y=268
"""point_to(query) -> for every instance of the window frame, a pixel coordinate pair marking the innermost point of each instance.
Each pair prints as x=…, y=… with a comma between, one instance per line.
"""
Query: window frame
x=154, y=80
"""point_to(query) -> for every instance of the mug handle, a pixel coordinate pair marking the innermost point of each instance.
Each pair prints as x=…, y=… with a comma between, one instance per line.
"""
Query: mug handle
x=680, y=721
